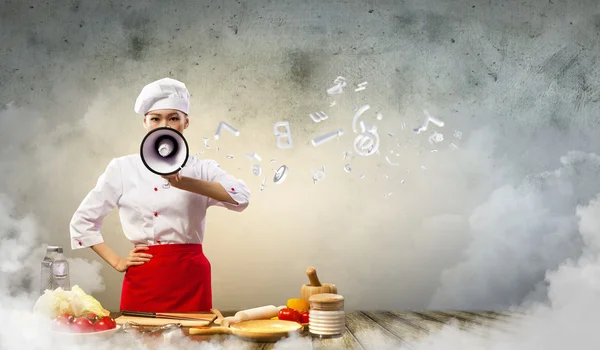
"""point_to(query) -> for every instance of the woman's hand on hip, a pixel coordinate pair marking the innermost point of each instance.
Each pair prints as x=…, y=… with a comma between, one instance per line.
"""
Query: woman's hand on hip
x=133, y=259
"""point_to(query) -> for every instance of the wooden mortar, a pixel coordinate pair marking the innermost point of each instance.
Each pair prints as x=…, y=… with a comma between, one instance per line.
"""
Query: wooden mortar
x=315, y=286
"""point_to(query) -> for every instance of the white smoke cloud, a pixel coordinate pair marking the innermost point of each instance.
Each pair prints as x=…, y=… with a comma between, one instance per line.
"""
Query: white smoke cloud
x=567, y=320
x=21, y=253
x=519, y=234
x=86, y=274
x=17, y=272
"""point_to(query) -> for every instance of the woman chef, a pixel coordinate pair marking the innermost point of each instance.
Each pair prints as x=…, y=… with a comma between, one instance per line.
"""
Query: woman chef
x=167, y=270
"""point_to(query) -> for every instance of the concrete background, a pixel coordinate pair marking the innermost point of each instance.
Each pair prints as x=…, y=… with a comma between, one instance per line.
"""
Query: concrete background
x=470, y=227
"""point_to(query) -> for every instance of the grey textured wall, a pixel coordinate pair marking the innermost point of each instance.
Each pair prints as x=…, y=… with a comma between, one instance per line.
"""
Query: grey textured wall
x=475, y=226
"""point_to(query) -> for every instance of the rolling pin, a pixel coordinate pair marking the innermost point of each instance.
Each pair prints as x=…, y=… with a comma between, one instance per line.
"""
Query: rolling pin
x=315, y=286
x=257, y=313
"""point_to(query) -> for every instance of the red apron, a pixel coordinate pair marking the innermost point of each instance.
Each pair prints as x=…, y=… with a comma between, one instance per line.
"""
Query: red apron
x=176, y=279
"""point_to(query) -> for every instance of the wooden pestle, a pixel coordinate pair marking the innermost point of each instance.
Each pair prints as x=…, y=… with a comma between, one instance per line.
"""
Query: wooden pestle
x=315, y=286
x=312, y=277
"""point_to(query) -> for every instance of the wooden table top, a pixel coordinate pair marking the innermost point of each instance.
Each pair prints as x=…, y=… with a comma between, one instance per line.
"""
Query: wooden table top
x=373, y=329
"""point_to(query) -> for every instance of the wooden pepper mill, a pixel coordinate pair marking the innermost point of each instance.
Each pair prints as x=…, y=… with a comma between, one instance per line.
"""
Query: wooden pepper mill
x=315, y=286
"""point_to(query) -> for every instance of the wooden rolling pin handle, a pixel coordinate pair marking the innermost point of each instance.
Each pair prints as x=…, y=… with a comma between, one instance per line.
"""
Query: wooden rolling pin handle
x=210, y=331
x=312, y=276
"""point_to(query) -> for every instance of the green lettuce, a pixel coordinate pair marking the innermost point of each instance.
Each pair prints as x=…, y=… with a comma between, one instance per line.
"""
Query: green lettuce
x=73, y=302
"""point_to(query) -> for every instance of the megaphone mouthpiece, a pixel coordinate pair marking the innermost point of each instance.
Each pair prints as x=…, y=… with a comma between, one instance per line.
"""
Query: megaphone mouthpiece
x=165, y=147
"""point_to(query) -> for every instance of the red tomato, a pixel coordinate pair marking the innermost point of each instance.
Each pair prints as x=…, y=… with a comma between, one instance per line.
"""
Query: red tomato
x=67, y=318
x=105, y=323
x=91, y=316
x=304, y=317
x=82, y=325
x=61, y=324
x=288, y=314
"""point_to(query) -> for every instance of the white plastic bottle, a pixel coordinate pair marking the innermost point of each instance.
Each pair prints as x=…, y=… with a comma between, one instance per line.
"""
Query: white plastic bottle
x=47, y=281
x=60, y=271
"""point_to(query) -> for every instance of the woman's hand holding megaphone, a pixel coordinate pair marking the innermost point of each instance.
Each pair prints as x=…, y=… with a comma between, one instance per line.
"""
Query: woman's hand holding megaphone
x=174, y=179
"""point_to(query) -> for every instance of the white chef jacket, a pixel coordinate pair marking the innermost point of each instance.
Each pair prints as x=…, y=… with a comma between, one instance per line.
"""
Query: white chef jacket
x=149, y=213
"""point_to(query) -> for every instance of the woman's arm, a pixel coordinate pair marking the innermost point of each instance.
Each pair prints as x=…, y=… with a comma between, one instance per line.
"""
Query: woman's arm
x=133, y=258
x=107, y=254
x=209, y=189
x=220, y=187
x=88, y=218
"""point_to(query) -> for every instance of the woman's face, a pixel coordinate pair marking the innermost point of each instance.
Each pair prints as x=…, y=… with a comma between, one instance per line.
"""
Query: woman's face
x=166, y=117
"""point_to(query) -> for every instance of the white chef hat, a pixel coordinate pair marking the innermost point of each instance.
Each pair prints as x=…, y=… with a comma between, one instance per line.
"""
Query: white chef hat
x=164, y=93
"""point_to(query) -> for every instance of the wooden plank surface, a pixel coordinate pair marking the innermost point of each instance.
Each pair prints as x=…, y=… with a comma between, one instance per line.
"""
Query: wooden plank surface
x=382, y=329
x=370, y=334
x=346, y=341
x=466, y=325
x=427, y=325
x=402, y=328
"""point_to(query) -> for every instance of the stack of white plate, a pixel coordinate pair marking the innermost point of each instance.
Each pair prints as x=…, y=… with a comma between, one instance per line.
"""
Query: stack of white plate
x=326, y=322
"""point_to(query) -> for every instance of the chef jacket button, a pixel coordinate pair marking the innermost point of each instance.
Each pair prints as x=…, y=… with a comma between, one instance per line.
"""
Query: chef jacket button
x=156, y=189
x=233, y=189
x=158, y=242
x=155, y=214
x=80, y=243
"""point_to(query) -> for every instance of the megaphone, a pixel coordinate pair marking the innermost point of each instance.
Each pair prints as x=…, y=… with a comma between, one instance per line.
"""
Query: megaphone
x=164, y=151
